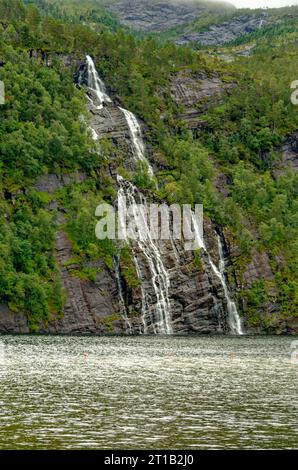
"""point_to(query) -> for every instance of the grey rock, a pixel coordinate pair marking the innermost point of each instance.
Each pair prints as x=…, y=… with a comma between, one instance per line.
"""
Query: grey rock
x=51, y=182
x=158, y=15
x=89, y=304
x=289, y=156
x=194, y=93
x=12, y=322
x=226, y=31
x=258, y=268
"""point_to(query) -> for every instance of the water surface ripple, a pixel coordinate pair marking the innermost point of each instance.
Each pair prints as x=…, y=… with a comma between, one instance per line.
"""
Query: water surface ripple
x=147, y=393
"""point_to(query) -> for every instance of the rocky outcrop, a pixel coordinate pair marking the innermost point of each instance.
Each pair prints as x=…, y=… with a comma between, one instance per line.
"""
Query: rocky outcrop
x=194, y=93
x=227, y=31
x=258, y=273
x=51, y=182
x=91, y=307
x=289, y=156
x=12, y=322
x=197, y=301
x=197, y=297
x=69, y=60
x=258, y=268
x=159, y=15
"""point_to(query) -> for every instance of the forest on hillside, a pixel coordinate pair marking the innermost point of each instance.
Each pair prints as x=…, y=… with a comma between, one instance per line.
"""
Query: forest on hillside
x=42, y=132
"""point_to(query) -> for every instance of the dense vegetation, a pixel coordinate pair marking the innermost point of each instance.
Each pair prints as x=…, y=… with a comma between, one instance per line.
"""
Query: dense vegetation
x=72, y=11
x=42, y=132
x=282, y=28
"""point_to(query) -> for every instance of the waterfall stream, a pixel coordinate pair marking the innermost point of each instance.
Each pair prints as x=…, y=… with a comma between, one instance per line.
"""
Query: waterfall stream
x=233, y=315
x=160, y=319
x=121, y=296
x=136, y=137
x=234, y=318
x=96, y=85
x=156, y=314
x=128, y=194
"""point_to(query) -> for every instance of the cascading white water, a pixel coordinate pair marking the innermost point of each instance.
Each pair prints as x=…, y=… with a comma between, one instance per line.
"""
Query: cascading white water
x=121, y=296
x=136, y=137
x=160, y=318
x=96, y=84
x=234, y=318
x=94, y=134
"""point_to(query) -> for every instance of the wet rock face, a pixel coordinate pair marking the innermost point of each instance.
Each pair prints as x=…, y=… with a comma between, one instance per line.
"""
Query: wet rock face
x=110, y=123
x=197, y=300
x=196, y=295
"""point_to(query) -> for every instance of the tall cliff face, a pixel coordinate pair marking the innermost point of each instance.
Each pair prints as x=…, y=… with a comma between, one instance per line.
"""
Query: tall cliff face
x=158, y=15
x=204, y=23
x=197, y=299
x=226, y=31
x=194, y=93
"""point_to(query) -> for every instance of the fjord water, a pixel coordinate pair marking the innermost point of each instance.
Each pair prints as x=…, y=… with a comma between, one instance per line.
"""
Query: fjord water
x=147, y=392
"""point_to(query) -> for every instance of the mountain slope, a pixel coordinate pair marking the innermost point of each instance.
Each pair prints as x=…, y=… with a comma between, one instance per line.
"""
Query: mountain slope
x=240, y=26
x=224, y=134
x=198, y=23
x=158, y=15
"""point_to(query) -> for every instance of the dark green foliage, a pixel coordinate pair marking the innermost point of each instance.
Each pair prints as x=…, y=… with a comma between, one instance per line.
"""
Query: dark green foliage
x=41, y=132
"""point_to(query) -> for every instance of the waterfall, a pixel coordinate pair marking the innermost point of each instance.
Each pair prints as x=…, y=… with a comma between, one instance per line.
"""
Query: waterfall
x=136, y=137
x=233, y=318
x=94, y=134
x=96, y=85
x=160, y=281
x=121, y=296
x=160, y=317
x=157, y=314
